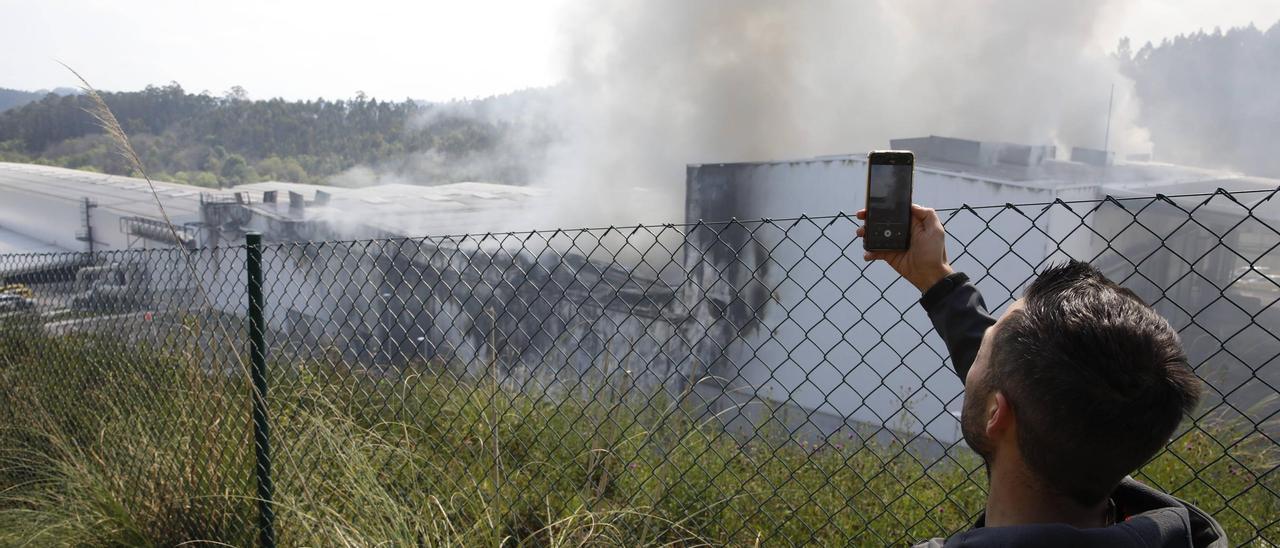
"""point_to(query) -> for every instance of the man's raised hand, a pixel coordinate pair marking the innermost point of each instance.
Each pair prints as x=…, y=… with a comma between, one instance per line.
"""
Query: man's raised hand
x=925, y=262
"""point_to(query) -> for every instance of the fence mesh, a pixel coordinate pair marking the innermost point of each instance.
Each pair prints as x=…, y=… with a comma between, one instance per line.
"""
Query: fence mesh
x=733, y=383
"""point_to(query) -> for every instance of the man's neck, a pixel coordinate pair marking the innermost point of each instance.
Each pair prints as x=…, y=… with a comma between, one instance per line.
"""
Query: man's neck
x=1017, y=499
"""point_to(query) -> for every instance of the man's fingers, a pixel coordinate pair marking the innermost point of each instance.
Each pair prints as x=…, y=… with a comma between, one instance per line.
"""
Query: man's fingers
x=873, y=255
x=927, y=217
x=862, y=232
x=861, y=214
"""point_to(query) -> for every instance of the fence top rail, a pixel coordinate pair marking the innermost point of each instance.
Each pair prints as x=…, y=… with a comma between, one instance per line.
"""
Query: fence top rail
x=1266, y=195
x=840, y=215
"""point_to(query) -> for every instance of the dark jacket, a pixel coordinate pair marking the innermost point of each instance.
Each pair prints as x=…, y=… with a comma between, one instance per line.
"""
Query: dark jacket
x=1145, y=517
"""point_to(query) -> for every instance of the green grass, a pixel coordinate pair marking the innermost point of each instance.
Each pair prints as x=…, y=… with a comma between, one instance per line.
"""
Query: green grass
x=110, y=443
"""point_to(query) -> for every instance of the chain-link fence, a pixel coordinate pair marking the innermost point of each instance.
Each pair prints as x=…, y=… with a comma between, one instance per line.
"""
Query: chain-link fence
x=744, y=382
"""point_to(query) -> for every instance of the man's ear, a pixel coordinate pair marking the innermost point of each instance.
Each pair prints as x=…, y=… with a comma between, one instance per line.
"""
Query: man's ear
x=1000, y=417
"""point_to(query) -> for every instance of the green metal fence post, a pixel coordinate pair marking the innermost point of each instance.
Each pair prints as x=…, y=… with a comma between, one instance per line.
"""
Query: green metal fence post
x=261, y=429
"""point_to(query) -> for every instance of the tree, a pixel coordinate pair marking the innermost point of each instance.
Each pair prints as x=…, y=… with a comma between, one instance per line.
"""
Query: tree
x=235, y=170
x=236, y=93
x=1209, y=98
x=281, y=169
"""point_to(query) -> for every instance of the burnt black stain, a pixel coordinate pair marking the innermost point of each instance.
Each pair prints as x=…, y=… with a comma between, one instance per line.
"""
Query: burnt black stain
x=730, y=266
x=525, y=308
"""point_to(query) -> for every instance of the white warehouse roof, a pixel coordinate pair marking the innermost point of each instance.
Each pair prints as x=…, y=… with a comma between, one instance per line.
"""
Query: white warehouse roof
x=410, y=210
x=126, y=195
x=12, y=242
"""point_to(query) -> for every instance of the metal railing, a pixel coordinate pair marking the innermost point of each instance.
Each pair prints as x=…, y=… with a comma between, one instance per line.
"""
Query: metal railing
x=733, y=382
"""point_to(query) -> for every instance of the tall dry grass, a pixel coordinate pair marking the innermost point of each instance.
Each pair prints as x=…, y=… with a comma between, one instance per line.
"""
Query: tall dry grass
x=105, y=447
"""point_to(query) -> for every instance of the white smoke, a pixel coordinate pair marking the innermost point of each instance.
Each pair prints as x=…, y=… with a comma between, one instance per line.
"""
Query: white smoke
x=651, y=86
x=500, y=139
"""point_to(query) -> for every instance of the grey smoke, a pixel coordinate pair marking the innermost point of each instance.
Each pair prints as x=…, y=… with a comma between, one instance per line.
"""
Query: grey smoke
x=517, y=126
x=651, y=86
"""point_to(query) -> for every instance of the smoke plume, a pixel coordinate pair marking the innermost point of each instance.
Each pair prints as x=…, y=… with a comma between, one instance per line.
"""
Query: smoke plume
x=651, y=86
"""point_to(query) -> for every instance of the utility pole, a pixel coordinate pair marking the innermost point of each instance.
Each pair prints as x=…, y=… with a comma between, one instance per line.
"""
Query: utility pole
x=1106, y=137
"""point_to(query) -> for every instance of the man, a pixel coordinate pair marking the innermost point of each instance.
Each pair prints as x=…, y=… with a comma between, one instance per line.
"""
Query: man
x=1072, y=390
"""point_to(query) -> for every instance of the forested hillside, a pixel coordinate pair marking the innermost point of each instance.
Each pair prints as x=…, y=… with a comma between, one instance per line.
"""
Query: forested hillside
x=10, y=98
x=210, y=141
x=13, y=98
x=1211, y=99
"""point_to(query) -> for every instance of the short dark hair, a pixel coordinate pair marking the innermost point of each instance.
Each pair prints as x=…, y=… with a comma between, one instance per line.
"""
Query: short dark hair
x=1097, y=379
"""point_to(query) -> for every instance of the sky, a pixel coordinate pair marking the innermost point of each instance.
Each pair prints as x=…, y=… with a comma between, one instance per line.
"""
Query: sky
x=431, y=50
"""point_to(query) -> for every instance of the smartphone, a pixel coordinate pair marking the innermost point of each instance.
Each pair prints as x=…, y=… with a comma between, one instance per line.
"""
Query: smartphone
x=888, y=223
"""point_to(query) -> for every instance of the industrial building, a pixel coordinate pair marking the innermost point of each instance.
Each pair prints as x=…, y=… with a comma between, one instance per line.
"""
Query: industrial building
x=776, y=317
x=810, y=326
x=44, y=208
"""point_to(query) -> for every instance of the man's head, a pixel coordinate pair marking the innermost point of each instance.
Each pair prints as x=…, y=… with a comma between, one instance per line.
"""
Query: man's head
x=1084, y=379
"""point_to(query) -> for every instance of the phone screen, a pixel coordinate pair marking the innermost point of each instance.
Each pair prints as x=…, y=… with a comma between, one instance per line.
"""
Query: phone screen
x=889, y=194
x=889, y=202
